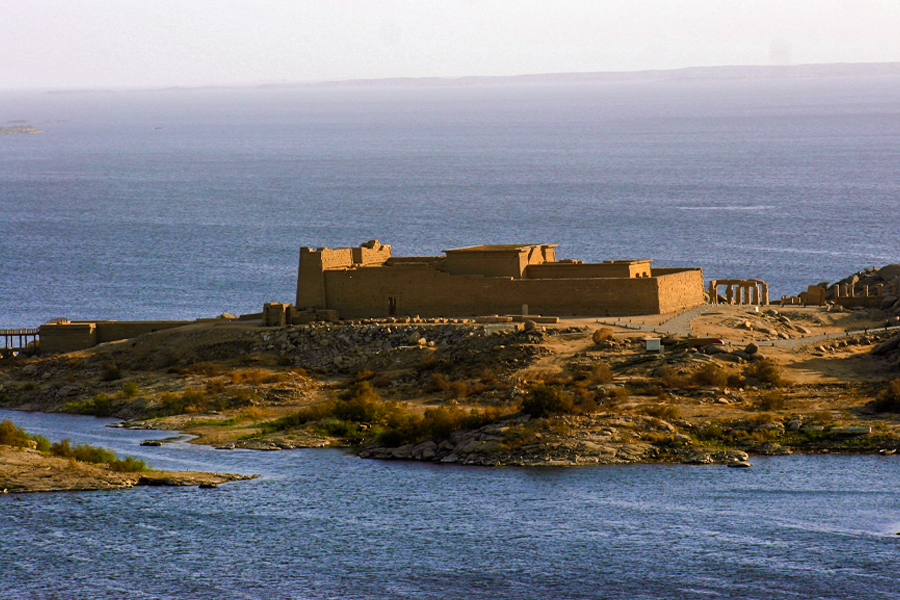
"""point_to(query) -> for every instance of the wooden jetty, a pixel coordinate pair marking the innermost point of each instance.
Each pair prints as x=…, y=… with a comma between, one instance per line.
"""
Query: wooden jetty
x=17, y=340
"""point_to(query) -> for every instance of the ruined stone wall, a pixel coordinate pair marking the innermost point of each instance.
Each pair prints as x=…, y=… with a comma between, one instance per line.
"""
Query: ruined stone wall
x=359, y=293
x=679, y=288
x=111, y=331
x=58, y=338
x=371, y=253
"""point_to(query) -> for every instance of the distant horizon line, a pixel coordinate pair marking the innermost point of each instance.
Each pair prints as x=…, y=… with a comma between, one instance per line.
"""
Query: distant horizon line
x=803, y=71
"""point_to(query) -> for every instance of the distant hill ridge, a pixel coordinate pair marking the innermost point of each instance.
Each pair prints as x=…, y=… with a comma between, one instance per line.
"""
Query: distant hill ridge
x=689, y=73
x=752, y=72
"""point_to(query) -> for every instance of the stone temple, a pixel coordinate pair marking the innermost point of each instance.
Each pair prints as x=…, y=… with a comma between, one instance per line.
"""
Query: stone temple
x=369, y=282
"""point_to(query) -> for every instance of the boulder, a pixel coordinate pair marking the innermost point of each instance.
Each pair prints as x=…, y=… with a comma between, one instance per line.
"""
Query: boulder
x=887, y=346
x=889, y=272
x=715, y=349
x=751, y=348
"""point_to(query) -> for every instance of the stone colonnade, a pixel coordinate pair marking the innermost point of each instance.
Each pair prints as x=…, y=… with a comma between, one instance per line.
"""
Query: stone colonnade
x=740, y=291
x=850, y=291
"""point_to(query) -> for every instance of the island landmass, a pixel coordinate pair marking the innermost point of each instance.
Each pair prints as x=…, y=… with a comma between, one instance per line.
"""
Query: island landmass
x=17, y=129
x=714, y=384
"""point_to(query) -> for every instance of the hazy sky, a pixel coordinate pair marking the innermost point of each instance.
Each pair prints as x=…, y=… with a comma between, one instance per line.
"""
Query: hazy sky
x=131, y=43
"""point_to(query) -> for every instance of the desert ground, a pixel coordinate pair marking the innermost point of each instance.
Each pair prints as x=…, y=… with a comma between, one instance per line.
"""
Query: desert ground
x=728, y=383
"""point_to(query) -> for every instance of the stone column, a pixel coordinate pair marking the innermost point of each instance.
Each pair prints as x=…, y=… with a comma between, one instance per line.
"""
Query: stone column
x=765, y=293
x=729, y=294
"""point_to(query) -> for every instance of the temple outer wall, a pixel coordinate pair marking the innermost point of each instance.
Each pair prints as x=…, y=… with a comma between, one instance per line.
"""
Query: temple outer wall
x=58, y=338
x=361, y=293
x=679, y=288
x=314, y=262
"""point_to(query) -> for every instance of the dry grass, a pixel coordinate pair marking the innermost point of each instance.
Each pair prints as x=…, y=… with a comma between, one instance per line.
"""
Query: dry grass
x=256, y=377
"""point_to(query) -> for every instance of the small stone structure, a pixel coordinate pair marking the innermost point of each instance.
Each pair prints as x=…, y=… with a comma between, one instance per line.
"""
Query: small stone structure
x=849, y=296
x=369, y=282
x=740, y=291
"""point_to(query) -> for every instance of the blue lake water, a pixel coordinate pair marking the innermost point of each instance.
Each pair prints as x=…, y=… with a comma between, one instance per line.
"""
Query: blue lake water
x=188, y=203
x=325, y=524
x=182, y=204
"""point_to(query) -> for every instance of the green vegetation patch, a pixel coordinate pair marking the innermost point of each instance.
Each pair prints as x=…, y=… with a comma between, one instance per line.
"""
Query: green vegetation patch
x=11, y=435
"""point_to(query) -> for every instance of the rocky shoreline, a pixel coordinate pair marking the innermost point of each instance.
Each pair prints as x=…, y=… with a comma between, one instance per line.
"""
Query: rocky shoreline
x=736, y=382
x=25, y=470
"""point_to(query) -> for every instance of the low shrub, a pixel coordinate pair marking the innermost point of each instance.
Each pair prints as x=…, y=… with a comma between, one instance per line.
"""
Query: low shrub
x=547, y=400
x=214, y=386
x=820, y=417
x=96, y=455
x=128, y=465
x=488, y=375
x=257, y=377
x=171, y=404
x=553, y=377
x=436, y=423
x=889, y=398
x=771, y=401
x=765, y=372
x=711, y=432
x=254, y=413
x=316, y=412
x=381, y=382
x=11, y=435
x=669, y=378
x=429, y=362
x=438, y=383
x=203, y=368
x=338, y=428
x=458, y=389
x=100, y=405
x=734, y=380
x=711, y=376
x=130, y=389
x=601, y=373
x=361, y=403
x=111, y=372
x=660, y=411
x=364, y=375
x=242, y=397
x=618, y=392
